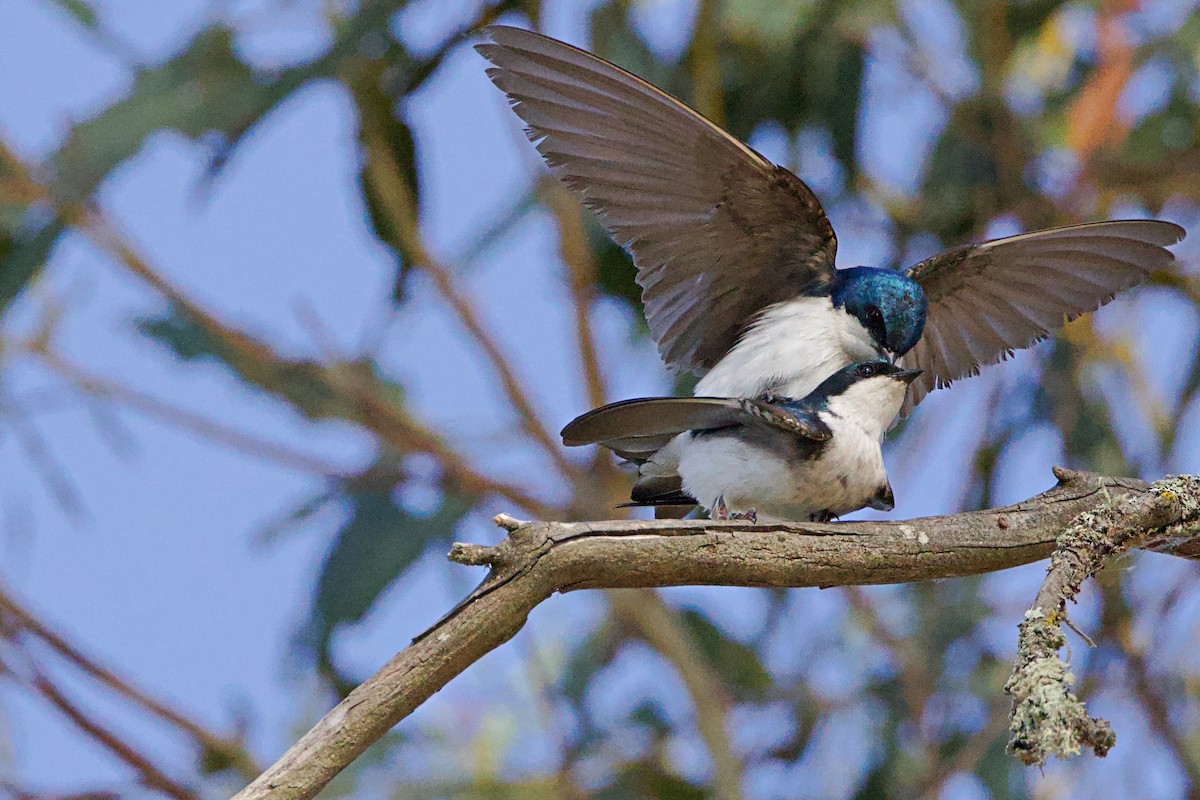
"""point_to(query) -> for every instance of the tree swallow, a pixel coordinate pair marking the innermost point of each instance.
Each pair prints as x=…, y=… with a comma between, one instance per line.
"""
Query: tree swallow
x=735, y=255
x=811, y=459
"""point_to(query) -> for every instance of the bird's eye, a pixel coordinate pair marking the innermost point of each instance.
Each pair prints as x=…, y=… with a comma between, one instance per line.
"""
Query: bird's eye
x=866, y=370
x=874, y=314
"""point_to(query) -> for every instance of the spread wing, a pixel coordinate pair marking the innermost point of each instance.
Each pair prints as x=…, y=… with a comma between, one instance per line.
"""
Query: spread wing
x=717, y=232
x=988, y=299
x=636, y=429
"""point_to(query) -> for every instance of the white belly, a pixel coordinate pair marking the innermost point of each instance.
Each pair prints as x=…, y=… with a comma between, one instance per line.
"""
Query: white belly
x=845, y=478
x=789, y=350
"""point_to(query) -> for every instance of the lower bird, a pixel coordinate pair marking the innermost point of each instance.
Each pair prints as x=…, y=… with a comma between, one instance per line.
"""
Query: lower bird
x=815, y=458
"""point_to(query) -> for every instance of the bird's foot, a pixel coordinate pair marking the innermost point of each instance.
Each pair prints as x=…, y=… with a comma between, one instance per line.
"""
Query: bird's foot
x=750, y=515
x=822, y=516
x=720, y=511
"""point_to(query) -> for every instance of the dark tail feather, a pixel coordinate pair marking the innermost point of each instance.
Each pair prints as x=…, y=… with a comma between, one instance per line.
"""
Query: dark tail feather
x=680, y=498
x=651, y=488
x=651, y=417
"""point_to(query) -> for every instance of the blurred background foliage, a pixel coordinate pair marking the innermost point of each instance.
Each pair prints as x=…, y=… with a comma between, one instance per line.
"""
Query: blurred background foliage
x=920, y=123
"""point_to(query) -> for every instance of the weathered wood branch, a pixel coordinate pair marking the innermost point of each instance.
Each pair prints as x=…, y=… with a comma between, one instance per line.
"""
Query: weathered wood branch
x=538, y=559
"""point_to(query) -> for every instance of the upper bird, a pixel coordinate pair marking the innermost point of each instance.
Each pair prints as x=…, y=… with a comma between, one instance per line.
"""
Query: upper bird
x=735, y=255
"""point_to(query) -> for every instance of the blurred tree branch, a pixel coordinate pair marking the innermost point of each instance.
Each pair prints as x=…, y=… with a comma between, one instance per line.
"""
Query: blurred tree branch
x=658, y=624
x=1042, y=138
x=360, y=398
x=539, y=559
x=396, y=200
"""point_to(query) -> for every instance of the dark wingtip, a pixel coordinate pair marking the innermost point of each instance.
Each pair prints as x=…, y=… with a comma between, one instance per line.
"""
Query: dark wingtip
x=1175, y=233
x=575, y=433
x=1179, y=231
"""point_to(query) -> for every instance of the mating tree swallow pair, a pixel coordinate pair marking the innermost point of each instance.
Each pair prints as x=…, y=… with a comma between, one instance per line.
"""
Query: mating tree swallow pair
x=735, y=257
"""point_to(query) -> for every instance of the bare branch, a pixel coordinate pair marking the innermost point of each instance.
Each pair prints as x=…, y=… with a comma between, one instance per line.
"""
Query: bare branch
x=149, y=774
x=581, y=268
x=182, y=418
x=390, y=423
x=539, y=559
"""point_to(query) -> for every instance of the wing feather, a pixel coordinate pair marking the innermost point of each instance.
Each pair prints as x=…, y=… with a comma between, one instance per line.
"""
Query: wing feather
x=717, y=232
x=988, y=299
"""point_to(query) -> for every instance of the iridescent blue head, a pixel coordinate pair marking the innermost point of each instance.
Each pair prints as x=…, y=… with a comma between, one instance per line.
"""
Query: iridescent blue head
x=889, y=304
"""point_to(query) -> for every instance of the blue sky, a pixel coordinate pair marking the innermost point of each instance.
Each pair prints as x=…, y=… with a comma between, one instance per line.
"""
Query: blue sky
x=160, y=576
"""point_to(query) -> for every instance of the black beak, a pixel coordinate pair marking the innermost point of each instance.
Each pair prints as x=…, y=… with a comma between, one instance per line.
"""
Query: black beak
x=908, y=375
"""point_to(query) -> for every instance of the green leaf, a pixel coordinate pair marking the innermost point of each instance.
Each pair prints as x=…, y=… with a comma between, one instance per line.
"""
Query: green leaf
x=614, y=269
x=737, y=663
x=380, y=541
x=591, y=656
x=1026, y=19
x=772, y=22
x=380, y=128
x=648, y=779
x=83, y=13
x=962, y=178
x=203, y=90
x=315, y=389
x=23, y=254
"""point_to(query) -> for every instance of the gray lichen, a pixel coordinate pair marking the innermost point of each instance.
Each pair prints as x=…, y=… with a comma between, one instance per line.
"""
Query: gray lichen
x=1047, y=718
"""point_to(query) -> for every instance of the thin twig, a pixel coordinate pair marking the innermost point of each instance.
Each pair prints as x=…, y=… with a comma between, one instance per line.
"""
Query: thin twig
x=1117, y=623
x=581, y=273
x=390, y=423
x=397, y=202
x=42, y=457
x=185, y=419
x=406, y=435
x=704, y=62
x=968, y=755
x=151, y=776
x=914, y=680
x=229, y=749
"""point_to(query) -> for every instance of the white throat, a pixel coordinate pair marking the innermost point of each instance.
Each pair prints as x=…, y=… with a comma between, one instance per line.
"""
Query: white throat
x=789, y=350
x=870, y=404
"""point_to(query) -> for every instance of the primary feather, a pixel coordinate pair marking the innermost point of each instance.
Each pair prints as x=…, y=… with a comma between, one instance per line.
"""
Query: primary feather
x=988, y=299
x=718, y=233
x=735, y=255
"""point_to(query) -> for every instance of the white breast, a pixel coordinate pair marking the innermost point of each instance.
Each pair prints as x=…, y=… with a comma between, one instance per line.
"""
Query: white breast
x=789, y=350
x=846, y=477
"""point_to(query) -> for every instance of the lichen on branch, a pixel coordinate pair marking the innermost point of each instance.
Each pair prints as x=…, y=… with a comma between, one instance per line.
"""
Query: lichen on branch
x=1047, y=718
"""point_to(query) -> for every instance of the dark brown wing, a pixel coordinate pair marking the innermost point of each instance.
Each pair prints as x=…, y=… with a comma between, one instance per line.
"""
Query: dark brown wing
x=717, y=232
x=652, y=418
x=988, y=299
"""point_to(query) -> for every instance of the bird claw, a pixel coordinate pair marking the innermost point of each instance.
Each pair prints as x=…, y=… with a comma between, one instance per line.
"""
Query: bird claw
x=822, y=516
x=720, y=511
